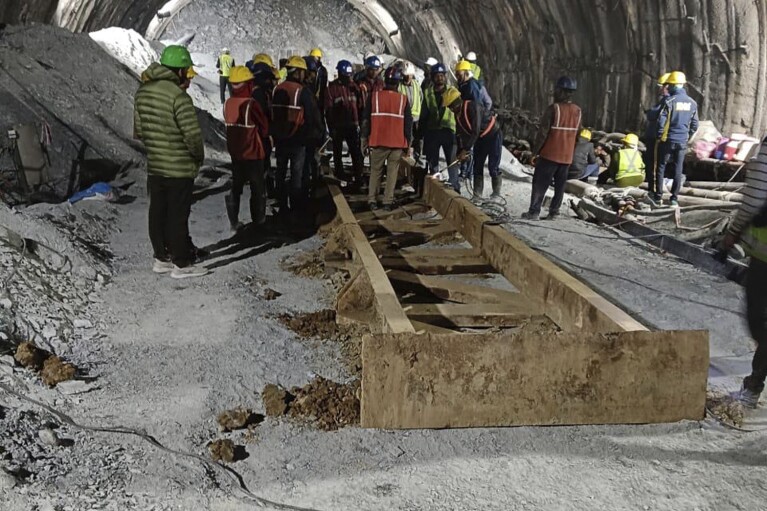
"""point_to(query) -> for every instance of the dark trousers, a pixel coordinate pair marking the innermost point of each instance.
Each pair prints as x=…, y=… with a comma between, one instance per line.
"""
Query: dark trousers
x=250, y=172
x=756, y=313
x=488, y=149
x=545, y=172
x=223, y=84
x=170, y=203
x=268, y=169
x=350, y=135
x=444, y=139
x=293, y=157
x=648, y=157
x=668, y=155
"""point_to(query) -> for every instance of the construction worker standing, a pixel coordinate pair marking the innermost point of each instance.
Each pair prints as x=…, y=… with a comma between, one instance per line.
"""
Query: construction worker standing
x=470, y=88
x=626, y=166
x=476, y=71
x=315, y=133
x=343, y=117
x=224, y=64
x=371, y=81
x=750, y=226
x=430, y=63
x=293, y=111
x=166, y=121
x=478, y=132
x=388, y=123
x=246, y=127
x=438, y=126
x=265, y=80
x=677, y=122
x=555, y=146
x=651, y=131
x=322, y=76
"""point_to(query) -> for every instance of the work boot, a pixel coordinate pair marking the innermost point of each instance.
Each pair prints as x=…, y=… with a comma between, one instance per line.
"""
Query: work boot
x=530, y=216
x=258, y=209
x=233, y=210
x=497, y=184
x=747, y=395
x=552, y=216
x=653, y=200
x=479, y=186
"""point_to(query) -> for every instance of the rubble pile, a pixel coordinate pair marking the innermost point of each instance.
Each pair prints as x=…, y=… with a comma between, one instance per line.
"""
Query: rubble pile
x=327, y=404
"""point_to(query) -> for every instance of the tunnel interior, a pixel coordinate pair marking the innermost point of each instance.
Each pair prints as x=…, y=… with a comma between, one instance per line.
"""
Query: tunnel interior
x=616, y=50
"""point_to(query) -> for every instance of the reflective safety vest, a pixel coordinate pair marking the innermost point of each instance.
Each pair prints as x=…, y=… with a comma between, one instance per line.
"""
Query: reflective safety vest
x=631, y=168
x=435, y=121
x=413, y=93
x=242, y=138
x=560, y=142
x=755, y=242
x=476, y=71
x=225, y=63
x=387, y=120
x=283, y=74
x=287, y=111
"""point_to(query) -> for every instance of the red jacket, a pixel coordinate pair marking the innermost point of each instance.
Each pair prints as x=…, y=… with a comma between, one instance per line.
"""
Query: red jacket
x=246, y=125
x=342, y=104
x=367, y=88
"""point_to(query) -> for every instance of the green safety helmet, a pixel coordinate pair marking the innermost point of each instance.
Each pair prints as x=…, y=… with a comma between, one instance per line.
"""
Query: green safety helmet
x=176, y=56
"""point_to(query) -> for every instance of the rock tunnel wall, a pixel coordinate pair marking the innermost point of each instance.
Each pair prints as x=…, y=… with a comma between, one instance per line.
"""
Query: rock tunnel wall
x=616, y=49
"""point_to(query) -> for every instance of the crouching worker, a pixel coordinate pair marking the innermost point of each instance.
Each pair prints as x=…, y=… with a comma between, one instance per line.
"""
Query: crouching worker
x=388, y=126
x=585, y=163
x=246, y=127
x=627, y=167
x=166, y=121
x=478, y=131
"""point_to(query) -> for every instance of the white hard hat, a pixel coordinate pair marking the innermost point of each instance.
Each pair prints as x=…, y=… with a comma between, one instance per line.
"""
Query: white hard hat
x=431, y=61
x=225, y=50
x=409, y=69
x=471, y=56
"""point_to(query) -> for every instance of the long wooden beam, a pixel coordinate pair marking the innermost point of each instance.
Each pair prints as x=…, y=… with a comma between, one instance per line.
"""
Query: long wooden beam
x=566, y=300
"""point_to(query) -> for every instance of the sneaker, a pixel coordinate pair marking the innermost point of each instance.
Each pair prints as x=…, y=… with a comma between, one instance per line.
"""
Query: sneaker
x=408, y=189
x=530, y=216
x=188, y=272
x=373, y=206
x=551, y=216
x=389, y=207
x=161, y=266
x=674, y=203
x=653, y=200
x=748, y=398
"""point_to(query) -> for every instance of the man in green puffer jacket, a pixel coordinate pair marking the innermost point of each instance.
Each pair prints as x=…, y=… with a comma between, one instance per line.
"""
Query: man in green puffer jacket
x=166, y=121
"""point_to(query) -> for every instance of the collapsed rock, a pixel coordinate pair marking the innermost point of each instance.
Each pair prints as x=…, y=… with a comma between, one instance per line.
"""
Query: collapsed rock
x=222, y=450
x=238, y=418
x=320, y=324
x=52, y=369
x=329, y=405
x=271, y=294
x=308, y=264
x=30, y=356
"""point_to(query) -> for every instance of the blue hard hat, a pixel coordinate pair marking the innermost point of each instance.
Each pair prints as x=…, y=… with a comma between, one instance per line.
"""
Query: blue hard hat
x=344, y=68
x=373, y=62
x=261, y=68
x=311, y=64
x=393, y=75
x=567, y=83
x=438, y=68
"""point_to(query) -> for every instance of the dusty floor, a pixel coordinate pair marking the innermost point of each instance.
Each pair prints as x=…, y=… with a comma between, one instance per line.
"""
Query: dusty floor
x=176, y=354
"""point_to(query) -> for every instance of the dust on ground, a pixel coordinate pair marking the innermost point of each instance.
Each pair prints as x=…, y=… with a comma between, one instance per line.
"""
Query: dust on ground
x=322, y=325
x=326, y=404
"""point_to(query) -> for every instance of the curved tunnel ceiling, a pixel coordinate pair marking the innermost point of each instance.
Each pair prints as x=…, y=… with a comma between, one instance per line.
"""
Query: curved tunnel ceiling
x=615, y=49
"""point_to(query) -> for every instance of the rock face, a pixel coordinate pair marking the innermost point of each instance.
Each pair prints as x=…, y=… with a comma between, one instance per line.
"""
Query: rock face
x=615, y=49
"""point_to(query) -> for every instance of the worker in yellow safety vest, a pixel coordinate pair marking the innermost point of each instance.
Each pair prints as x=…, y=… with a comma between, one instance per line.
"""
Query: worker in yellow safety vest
x=224, y=64
x=627, y=167
x=475, y=69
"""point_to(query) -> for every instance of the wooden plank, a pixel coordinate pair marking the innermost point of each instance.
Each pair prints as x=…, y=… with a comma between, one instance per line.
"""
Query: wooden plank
x=453, y=291
x=404, y=211
x=453, y=381
x=693, y=254
x=429, y=265
x=566, y=300
x=472, y=315
x=428, y=228
x=428, y=328
x=391, y=317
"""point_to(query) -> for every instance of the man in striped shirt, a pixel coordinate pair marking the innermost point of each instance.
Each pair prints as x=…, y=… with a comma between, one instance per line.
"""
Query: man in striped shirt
x=750, y=226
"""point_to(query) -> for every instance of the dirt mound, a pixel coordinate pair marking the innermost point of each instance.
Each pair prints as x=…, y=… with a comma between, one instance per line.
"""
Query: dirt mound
x=238, y=418
x=52, y=369
x=308, y=264
x=222, y=450
x=725, y=408
x=327, y=404
x=271, y=294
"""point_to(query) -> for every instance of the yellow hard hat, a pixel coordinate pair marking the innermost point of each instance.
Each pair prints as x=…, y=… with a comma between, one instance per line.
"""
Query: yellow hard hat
x=240, y=74
x=263, y=58
x=586, y=134
x=296, y=62
x=463, y=65
x=631, y=139
x=663, y=80
x=316, y=52
x=450, y=96
x=677, y=78
x=191, y=73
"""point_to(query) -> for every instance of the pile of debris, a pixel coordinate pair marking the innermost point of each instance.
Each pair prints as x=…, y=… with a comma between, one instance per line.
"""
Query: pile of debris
x=327, y=404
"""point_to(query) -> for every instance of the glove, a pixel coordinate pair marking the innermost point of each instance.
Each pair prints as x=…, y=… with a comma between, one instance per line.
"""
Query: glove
x=463, y=156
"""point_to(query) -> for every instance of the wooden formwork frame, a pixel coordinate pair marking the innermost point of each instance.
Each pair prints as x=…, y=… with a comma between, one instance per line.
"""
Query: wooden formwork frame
x=604, y=367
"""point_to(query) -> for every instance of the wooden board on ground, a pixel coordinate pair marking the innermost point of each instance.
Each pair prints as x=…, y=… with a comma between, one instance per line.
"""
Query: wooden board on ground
x=567, y=301
x=454, y=291
x=430, y=265
x=472, y=315
x=449, y=381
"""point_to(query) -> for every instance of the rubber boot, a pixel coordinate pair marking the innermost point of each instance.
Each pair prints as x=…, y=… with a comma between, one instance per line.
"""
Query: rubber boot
x=497, y=183
x=233, y=210
x=479, y=186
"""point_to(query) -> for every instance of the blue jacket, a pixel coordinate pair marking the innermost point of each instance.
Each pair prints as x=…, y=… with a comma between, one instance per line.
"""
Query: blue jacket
x=651, y=115
x=678, y=118
x=471, y=90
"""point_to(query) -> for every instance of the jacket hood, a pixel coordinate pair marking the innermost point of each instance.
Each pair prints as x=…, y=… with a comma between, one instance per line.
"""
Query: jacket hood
x=157, y=72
